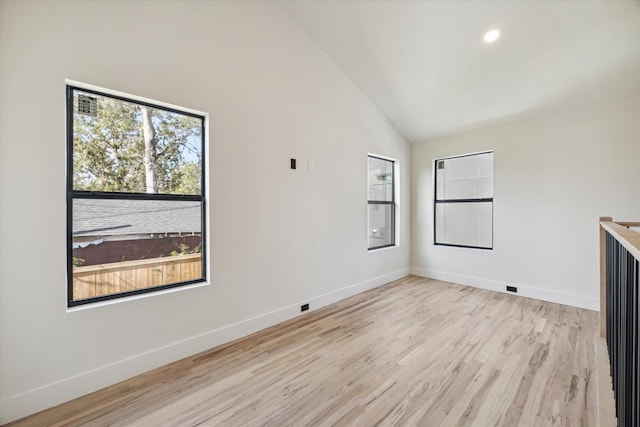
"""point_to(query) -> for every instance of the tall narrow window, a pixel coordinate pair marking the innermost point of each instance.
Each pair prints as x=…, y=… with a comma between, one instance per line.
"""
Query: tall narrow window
x=381, y=203
x=463, y=208
x=135, y=196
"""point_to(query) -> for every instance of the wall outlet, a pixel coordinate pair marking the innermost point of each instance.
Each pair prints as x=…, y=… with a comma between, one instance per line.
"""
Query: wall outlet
x=293, y=163
x=304, y=307
x=512, y=289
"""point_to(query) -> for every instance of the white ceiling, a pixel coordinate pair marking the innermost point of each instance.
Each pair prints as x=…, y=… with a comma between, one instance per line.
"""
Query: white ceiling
x=425, y=66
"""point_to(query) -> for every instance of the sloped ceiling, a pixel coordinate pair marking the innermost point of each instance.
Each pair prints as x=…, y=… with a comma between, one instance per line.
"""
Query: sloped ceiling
x=425, y=66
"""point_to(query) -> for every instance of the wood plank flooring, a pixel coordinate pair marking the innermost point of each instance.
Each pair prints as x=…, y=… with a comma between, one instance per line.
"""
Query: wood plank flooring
x=415, y=352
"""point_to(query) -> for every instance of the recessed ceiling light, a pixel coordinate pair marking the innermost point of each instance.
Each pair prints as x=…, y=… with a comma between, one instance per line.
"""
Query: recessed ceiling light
x=492, y=35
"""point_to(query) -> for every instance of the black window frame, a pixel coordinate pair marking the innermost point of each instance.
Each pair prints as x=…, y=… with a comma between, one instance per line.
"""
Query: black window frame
x=391, y=203
x=72, y=194
x=437, y=201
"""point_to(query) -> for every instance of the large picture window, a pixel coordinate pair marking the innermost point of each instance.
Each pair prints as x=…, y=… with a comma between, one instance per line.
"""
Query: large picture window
x=135, y=196
x=463, y=208
x=381, y=202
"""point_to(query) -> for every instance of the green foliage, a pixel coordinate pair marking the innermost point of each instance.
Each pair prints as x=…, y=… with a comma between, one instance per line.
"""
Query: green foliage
x=108, y=150
x=185, y=250
x=78, y=262
x=190, y=178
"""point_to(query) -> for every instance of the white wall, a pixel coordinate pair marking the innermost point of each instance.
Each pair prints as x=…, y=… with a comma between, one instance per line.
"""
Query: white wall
x=554, y=176
x=279, y=237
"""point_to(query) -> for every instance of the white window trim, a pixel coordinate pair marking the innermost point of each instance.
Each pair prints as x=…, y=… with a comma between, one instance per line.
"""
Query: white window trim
x=207, y=197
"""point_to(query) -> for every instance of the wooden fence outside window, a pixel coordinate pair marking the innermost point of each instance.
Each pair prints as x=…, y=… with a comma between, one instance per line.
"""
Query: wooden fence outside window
x=105, y=279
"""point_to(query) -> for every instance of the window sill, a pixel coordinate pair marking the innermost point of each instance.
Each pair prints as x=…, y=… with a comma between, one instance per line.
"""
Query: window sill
x=135, y=297
x=383, y=248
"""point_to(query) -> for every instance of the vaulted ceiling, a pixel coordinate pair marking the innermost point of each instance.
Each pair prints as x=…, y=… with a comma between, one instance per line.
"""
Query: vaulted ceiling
x=426, y=67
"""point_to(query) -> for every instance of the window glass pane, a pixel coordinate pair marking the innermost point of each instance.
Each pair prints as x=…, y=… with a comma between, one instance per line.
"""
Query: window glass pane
x=465, y=224
x=98, y=217
x=485, y=164
x=381, y=221
x=467, y=177
x=122, y=146
x=126, y=245
x=380, y=179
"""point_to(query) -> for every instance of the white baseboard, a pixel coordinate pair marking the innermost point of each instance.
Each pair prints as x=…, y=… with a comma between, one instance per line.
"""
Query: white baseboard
x=565, y=298
x=29, y=402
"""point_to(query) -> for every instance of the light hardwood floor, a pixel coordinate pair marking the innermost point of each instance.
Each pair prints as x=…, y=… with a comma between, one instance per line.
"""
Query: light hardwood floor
x=413, y=352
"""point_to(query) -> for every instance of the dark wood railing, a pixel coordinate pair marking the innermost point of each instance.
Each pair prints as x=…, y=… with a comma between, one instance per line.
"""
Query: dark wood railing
x=619, y=320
